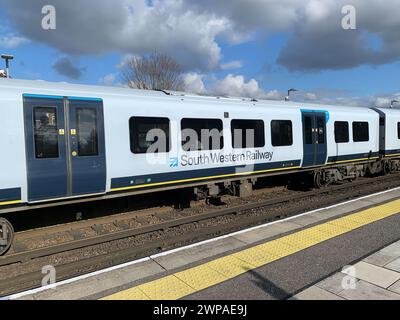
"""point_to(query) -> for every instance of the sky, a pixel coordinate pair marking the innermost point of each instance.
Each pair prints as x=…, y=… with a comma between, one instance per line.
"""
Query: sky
x=251, y=48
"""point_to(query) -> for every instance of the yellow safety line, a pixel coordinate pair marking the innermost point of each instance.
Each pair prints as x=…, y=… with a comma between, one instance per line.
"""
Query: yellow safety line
x=212, y=273
x=7, y=203
x=346, y=161
x=392, y=155
x=200, y=179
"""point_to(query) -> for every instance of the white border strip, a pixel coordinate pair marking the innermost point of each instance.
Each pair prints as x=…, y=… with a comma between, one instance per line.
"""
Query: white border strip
x=163, y=254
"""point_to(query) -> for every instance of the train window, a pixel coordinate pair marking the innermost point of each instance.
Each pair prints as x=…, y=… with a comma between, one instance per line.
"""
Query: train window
x=45, y=132
x=321, y=129
x=149, y=135
x=398, y=130
x=248, y=134
x=360, y=131
x=308, y=132
x=281, y=133
x=86, y=123
x=202, y=134
x=342, y=132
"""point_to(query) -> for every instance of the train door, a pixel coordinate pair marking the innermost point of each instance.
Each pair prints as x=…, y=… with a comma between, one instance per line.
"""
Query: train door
x=87, y=146
x=314, y=137
x=65, y=147
x=45, y=147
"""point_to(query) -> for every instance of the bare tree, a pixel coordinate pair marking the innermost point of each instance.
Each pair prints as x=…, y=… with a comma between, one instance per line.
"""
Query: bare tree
x=153, y=72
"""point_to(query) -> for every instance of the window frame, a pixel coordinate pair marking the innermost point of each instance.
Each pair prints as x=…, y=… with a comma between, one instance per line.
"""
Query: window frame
x=336, y=132
x=78, y=143
x=222, y=140
x=354, y=132
x=291, y=134
x=35, y=131
x=256, y=146
x=136, y=139
x=398, y=130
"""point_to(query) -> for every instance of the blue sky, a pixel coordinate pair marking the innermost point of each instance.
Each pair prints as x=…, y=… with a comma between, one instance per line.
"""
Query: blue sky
x=235, y=51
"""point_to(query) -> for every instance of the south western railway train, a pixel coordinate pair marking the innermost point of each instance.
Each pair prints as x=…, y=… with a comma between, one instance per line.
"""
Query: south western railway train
x=62, y=143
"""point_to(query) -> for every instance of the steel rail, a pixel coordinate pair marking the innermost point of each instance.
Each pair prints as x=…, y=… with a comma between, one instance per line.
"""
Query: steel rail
x=72, y=269
x=100, y=239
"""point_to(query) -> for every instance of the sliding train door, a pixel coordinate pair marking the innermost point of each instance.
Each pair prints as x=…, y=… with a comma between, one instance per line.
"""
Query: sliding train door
x=87, y=146
x=314, y=138
x=65, y=147
x=45, y=147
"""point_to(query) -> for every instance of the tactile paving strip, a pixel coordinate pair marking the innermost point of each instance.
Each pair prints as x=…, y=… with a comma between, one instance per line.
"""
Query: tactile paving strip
x=167, y=288
x=215, y=272
x=230, y=266
x=200, y=277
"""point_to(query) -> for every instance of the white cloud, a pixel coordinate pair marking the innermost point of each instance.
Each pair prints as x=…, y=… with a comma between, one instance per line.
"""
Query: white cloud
x=310, y=96
x=194, y=83
x=127, y=26
x=191, y=30
x=231, y=85
x=236, y=64
x=108, y=80
x=381, y=101
x=12, y=42
x=236, y=86
x=333, y=98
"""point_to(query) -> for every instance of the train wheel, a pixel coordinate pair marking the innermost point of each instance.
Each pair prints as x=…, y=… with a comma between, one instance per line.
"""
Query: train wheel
x=6, y=235
x=319, y=180
x=386, y=169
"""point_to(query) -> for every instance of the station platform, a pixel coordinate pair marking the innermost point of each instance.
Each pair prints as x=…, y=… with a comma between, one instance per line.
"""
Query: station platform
x=377, y=277
x=347, y=251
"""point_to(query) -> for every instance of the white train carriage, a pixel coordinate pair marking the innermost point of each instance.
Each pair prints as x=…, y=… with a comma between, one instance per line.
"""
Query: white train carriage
x=389, y=137
x=389, y=132
x=63, y=141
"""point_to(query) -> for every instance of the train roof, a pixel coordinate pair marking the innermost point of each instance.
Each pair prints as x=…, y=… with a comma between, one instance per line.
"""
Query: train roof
x=97, y=91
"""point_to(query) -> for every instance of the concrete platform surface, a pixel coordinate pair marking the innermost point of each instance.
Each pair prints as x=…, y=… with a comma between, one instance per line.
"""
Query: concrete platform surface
x=377, y=277
x=273, y=261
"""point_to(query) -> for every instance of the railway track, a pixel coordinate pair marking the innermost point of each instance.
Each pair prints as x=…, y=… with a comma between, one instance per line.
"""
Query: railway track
x=205, y=224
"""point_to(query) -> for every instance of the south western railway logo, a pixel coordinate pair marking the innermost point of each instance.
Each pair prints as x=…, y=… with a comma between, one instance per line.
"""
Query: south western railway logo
x=215, y=158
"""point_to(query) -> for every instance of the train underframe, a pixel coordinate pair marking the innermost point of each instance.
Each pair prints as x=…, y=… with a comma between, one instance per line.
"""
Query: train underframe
x=313, y=178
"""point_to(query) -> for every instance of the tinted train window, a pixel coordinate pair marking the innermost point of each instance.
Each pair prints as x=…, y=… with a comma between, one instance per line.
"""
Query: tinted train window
x=321, y=129
x=45, y=132
x=342, y=132
x=149, y=135
x=360, y=131
x=308, y=132
x=398, y=130
x=86, y=122
x=248, y=134
x=281, y=133
x=202, y=134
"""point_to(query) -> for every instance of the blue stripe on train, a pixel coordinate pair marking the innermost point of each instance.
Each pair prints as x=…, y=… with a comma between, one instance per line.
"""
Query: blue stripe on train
x=353, y=157
x=10, y=194
x=42, y=96
x=390, y=152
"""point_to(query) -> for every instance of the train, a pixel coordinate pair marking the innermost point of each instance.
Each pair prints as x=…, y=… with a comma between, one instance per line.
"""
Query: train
x=62, y=143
